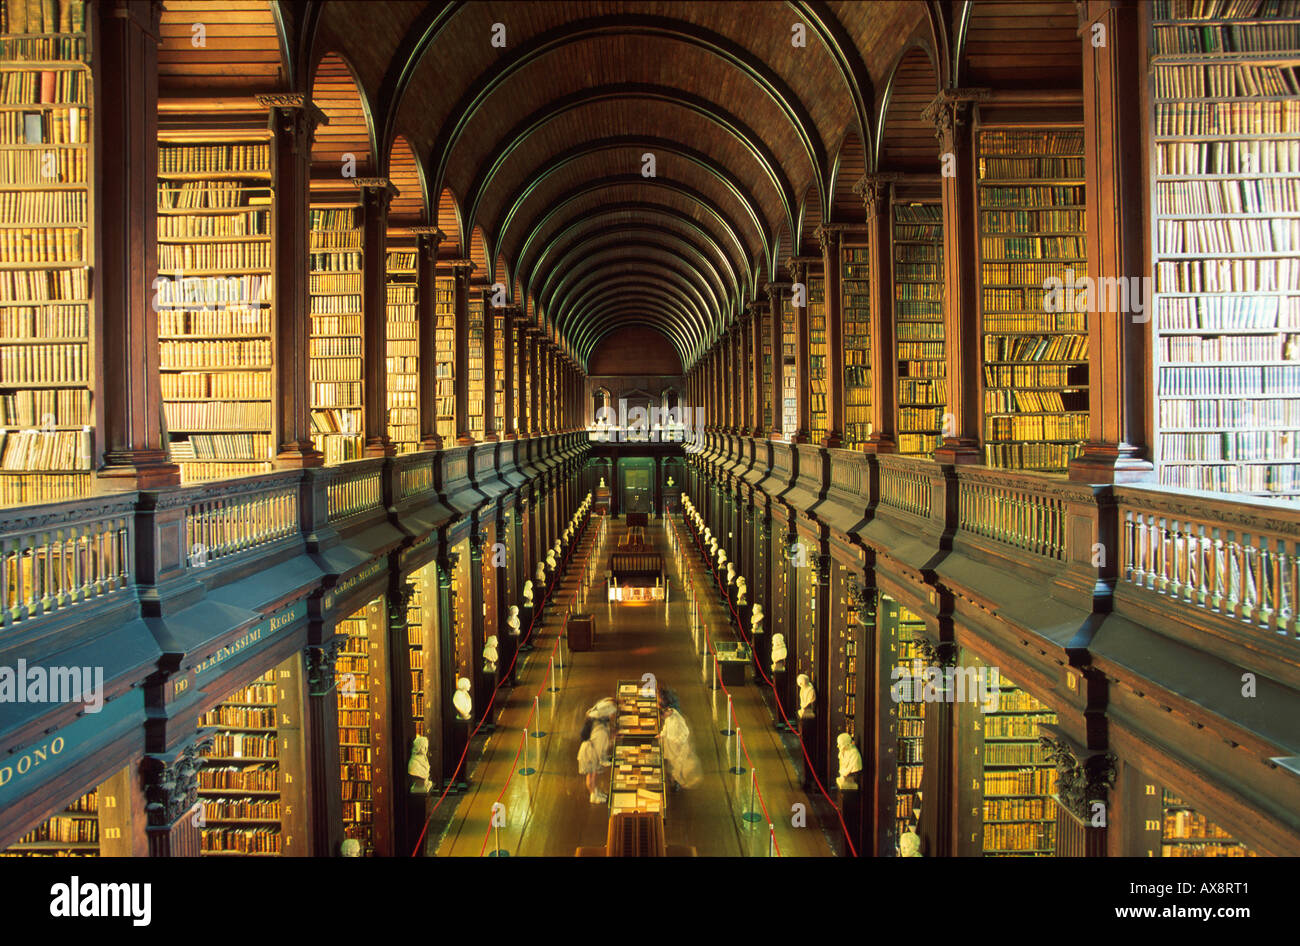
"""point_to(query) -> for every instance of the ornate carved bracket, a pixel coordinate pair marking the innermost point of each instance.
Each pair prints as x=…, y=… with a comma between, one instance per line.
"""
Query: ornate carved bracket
x=1082, y=777
x=936, y=653
x=172, y=784
x=321, y=659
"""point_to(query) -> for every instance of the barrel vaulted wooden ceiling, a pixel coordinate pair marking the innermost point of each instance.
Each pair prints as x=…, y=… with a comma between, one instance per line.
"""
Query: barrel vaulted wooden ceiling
x=521, y=128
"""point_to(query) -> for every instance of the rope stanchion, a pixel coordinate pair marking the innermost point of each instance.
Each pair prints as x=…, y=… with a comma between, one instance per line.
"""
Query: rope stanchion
x=527, y=770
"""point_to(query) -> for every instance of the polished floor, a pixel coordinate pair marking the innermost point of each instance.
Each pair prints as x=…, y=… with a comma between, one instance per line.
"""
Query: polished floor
x=548, y=813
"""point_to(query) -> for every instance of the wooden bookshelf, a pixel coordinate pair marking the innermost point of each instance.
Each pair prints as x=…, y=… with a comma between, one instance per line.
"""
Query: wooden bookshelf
x=1188, y=833
x=1225, y=209
x=765, y=323
x=855, y=309
x=337, y=340
x=213, y=296
x=462, y=620
x=360, y=682
x=415, y=645
x=73, y=832
x=1019, y=812
x=499, y=354
x=789, y=378
x=846, y=632
x=910, y=741
x=475, y=323
x=46, y=254
x=918, y=325
x=1031, y=211
x=817, y=356
x=445, y=313
x=403, y=358
x=241, y=777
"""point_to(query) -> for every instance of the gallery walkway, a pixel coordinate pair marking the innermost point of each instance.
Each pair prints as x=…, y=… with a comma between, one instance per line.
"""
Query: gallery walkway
x=548, y=813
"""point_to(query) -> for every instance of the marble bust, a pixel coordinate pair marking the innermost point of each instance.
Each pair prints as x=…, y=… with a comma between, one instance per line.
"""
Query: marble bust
x=778, y=652
x=850, y=761
x=807, y=697
x=461, y=699
x=417, y=767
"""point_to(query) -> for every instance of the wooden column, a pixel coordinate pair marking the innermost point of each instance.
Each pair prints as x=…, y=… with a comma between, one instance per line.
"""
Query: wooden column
x=171, y=782
x=323, y=746
x=292, y=123
x=756, y=382
x=939, y=795
x=462, y=269
x=1119, y=360
x=491, y=423
x=798, y=268
x=774, y=293
x=950, y=113
x=125, y=213
x=876, y=191
x=376, y=194
x=426, y=259
x=829, y=238
x=509, y=363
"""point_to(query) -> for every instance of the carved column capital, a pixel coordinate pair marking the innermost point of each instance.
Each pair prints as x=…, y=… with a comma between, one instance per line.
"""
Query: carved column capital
x=829, y=236
x=936, y=654
x=950, y=109
x=321, y=659
x=172, y=783
x=874, y=189
x=293, y=116
x=427, y=240
x=1082, y=777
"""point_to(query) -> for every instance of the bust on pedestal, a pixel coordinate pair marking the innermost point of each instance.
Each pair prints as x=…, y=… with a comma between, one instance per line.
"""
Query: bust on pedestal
x=779, y=687
x=464, y=707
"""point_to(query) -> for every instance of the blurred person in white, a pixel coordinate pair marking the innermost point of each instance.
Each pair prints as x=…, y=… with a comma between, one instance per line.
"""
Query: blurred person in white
x=596, y=746
x=682, y=763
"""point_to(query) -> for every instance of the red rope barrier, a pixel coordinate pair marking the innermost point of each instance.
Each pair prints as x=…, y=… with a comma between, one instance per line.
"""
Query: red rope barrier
x=487, y=710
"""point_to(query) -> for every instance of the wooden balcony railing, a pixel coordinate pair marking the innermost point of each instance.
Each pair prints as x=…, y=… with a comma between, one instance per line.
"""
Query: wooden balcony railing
x=55, y=557
x=228, y=519
x=414, y=475
x=354, y=488
x=1231, y=556
x=1025, y=511
x=906, y=484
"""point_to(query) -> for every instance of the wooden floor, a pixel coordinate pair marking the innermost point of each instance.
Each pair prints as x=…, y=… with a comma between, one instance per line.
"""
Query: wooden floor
x=549, y=814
